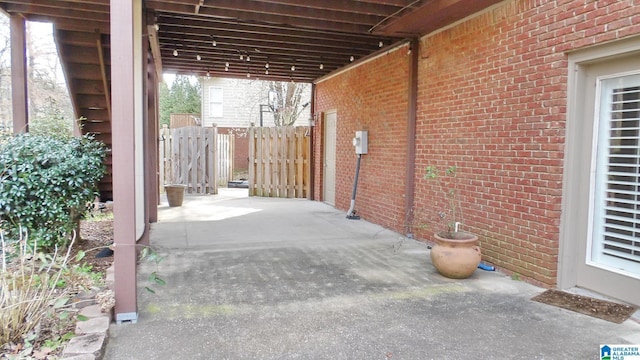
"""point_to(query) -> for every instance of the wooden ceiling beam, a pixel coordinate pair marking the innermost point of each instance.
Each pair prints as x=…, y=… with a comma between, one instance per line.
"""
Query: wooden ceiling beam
x=399, y=3
x=242, y=74
x=259, y=44
x=304, y=32
x=154, y=44
x=163, y=6
x=273, y=57
x=358, y=7
x=78, y=2
x=318, y=12
x=80, y=38
x=260, y=41
x=300, y=71
x=56, y=12
x=218, y=60
x=75, y=25
x=431, y=16
x=233, y=56
x=210, y=26
x=89, y=5
x=103, y=72
x=281, y=66
x=53, y=7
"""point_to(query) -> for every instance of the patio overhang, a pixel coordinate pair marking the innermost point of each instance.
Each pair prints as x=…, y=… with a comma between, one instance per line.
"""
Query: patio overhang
x=314, y=37
x=270, y=40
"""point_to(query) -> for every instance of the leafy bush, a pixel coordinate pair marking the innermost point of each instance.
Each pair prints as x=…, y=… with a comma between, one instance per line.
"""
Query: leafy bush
x=46, y=183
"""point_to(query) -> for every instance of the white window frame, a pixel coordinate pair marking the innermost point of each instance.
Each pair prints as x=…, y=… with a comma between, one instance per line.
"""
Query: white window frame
x=572, y=268
x=216, y=103
x=597, y=215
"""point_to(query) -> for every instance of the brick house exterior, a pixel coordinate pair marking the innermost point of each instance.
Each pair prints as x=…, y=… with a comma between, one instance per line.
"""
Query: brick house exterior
x=493, y=98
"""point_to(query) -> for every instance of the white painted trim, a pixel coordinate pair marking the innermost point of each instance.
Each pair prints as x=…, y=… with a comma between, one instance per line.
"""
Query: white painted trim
x=138, y=85
x=603, y=51
x=593, y=166
x=568, y=259
x=613, y=269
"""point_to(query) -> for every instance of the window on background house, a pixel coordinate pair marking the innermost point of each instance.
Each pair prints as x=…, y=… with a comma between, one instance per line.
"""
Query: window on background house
x=215, y=101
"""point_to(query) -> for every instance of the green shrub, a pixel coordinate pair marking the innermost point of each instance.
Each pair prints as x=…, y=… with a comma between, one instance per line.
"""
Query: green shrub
x=46, y=183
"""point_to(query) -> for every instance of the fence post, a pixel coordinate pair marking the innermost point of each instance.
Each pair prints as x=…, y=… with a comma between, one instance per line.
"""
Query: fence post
x=162, y=156
x=252, y=160
x=215, y=153
x=306, y=158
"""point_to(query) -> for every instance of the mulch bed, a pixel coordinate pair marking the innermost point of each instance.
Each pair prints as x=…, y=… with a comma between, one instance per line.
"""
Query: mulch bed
x=96, y=236
x=601, y=309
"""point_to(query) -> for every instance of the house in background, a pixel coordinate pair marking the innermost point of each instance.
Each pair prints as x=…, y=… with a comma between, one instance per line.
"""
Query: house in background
x=234, y=105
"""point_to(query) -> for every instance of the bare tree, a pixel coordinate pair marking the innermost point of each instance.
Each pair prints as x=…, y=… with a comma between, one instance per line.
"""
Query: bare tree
x=5, y=76
x=285, y=100
x=48, y=96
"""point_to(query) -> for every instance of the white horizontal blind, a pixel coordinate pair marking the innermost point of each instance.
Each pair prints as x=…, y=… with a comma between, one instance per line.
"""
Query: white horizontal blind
x=616, y=232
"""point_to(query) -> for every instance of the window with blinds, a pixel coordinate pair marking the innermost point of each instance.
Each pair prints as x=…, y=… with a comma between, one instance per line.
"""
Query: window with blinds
x=616, y=221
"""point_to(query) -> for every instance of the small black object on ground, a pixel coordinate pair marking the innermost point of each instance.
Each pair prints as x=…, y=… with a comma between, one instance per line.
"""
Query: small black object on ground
x=106, y=252
x=242, y=183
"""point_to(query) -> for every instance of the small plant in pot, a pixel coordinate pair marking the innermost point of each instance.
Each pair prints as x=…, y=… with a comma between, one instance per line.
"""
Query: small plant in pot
x=456, y=253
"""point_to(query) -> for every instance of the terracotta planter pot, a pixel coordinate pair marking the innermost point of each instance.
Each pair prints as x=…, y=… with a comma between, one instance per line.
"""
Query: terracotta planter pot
x=456, y=258
x=175, y=194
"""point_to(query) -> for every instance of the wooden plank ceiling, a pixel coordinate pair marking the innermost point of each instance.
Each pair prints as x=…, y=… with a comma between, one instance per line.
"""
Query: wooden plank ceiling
x=300, y=40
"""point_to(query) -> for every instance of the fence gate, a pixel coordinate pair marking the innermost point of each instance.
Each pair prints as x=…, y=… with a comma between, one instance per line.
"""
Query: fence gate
x=225, y=147
x=279, y=162
x=189, y=156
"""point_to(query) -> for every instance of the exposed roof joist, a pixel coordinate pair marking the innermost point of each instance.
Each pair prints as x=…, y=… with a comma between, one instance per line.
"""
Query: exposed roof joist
x=316, y=37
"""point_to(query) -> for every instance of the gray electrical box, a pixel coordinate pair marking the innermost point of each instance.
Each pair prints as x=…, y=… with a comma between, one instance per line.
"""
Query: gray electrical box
x=361, y=142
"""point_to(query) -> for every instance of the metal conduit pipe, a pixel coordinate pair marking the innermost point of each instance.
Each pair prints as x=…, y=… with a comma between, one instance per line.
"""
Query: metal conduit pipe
x=351, y=214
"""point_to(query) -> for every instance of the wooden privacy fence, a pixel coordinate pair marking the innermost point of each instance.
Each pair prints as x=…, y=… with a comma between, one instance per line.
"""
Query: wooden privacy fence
x=226, y=146
x=191, y=156
x=182, y=120
x=279, y=162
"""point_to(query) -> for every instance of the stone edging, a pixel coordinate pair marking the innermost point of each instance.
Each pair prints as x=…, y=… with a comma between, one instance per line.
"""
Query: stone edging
x=92, y=334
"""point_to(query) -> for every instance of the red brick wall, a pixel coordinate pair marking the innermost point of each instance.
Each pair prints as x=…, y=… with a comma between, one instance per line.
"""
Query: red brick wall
x=241, y=147
x=492, y=100
x=371, y=97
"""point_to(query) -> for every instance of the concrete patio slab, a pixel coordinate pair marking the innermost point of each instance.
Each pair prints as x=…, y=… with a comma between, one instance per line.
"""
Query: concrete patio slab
x=258, y=278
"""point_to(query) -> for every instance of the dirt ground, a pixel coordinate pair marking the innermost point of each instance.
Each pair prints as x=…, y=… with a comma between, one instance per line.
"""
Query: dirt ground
x=95, y=236
x=606, y=310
